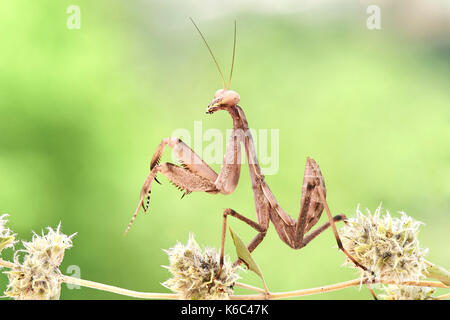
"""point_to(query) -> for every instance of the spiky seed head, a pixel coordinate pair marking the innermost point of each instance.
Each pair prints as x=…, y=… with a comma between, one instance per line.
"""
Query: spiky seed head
x=388, y=246
x=38, y=276
x=394, y=292
x=7, y=237
x=194, y=272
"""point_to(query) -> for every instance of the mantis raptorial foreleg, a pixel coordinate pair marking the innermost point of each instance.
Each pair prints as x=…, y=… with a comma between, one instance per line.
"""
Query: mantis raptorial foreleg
x=182, y=178
x=194, y=174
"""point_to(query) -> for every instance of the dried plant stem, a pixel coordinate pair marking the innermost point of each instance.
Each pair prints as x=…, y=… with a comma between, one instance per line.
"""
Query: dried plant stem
x=443, y=297
x=334, y=287
x=124, y=292
x=249, y=287
x=262, y=294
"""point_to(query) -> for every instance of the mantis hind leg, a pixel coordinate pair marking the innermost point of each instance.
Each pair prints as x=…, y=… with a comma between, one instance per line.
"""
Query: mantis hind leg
x=313, y=234
x=336, y=235
x=313, y=203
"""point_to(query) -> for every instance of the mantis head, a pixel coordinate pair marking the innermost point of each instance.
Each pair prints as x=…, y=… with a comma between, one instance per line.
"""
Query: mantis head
x=223, y=99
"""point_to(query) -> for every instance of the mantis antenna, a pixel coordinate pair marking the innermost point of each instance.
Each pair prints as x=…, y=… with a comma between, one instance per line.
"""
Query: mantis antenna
x=210, y=51
x=232, y=60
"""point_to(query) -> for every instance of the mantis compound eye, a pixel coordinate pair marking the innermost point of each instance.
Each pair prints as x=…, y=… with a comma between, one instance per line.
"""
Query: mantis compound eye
x=219, y=93
x=230, y=98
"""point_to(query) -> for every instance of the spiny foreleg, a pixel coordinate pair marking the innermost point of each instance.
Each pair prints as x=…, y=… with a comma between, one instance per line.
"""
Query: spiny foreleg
x=183, y=178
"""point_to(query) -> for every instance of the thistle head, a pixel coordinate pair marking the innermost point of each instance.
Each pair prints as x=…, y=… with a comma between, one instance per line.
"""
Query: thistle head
x=7, y=237
x=388, y=246
x=38, y=277
x=394, y=292
x=194, y=272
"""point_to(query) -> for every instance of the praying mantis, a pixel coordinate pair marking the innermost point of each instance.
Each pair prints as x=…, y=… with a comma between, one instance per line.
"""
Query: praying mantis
x=195, y=175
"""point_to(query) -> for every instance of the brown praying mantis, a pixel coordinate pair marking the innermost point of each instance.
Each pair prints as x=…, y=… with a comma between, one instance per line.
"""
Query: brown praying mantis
x=194, y=175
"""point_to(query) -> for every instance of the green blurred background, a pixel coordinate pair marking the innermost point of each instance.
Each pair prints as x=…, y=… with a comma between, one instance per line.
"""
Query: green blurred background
x=82, y=111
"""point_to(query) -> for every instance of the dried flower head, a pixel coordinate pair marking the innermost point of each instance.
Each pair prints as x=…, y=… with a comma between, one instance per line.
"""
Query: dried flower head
x=38, y=277
x=7, y=238
x=394, y=292
x=194, y=272
x=387, y=246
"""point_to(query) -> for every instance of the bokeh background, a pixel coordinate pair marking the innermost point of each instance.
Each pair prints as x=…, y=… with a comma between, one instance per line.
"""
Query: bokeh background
x=82, y=111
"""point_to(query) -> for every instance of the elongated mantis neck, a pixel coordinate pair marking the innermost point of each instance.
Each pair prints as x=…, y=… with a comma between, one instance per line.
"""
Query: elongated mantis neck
x=238, y=116
x=234, y=113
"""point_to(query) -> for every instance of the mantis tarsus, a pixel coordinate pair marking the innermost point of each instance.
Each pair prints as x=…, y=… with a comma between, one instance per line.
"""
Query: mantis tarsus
x=195, y=175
